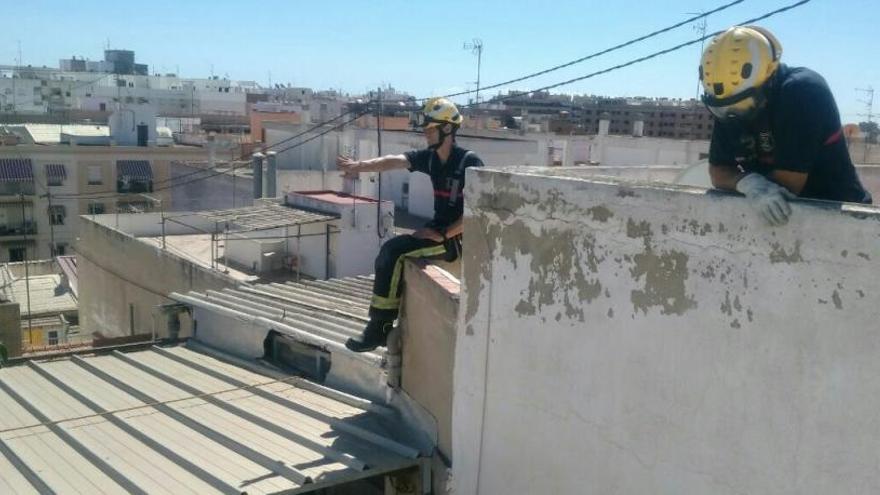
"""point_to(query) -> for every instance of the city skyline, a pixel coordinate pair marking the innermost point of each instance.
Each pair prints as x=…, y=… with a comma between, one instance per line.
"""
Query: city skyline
x=394, y=44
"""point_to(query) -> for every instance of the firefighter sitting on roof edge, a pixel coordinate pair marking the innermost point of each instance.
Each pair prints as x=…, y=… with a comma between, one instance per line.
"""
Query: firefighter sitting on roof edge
x=777, y=131
x=445, y=162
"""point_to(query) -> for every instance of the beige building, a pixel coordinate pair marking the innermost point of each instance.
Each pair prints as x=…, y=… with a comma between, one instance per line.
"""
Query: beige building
x=44, y=189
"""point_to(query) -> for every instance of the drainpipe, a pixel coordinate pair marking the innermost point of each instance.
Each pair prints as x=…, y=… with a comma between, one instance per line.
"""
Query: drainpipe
x=271, y=174
x=258, y=175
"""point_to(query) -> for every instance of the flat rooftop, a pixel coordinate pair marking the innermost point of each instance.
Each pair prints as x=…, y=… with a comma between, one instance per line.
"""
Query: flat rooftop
x=47, y=296
x=197, y=249
x=181, y=420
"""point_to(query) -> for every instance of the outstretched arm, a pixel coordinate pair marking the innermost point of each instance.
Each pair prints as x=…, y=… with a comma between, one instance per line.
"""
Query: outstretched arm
x=381, y=164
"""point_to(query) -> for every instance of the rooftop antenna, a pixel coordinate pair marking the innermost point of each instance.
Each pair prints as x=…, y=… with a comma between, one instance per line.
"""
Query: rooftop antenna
x=700, y=28
x=869, y=105
x=476, y=47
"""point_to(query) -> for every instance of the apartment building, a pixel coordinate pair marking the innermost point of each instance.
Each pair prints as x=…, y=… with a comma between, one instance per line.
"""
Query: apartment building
x=44, y=188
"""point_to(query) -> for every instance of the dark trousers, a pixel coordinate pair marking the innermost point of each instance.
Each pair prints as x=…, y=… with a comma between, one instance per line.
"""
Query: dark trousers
x=387, y=287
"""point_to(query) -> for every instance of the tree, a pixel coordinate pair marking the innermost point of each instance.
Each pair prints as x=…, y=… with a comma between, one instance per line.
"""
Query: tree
x=871, y=130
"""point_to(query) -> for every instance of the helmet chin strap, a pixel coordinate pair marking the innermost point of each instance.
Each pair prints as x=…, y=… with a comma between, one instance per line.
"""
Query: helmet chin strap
x=441, y=136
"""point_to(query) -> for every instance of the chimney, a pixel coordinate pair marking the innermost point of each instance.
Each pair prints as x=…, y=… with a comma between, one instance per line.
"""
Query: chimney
x=604, y=123
x=258, y=174
x=639, y=125
x=271, y=174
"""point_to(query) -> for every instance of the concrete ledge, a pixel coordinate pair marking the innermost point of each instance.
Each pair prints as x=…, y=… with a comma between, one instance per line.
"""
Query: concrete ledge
x=428, y=322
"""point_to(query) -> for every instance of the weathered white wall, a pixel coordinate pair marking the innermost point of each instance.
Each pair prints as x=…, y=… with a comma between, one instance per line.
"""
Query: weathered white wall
x=618, y=338
x=308, y=180
x=118, y=272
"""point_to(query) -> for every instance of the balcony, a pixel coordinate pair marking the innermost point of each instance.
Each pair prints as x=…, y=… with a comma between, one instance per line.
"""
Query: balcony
x=17, y=229
x=134, y=186
x=16, y=189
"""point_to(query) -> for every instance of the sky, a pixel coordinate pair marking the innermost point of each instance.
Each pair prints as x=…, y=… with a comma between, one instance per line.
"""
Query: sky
x=417, y=46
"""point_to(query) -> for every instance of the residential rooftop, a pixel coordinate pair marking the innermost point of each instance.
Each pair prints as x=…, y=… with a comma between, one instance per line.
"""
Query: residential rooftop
x=43, y=294
x=178, y=419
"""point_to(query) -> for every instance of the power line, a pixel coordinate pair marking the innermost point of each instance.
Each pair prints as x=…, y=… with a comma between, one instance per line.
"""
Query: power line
x=269, y=147
x=602, y=52
x=646, y=57
x=510, y=96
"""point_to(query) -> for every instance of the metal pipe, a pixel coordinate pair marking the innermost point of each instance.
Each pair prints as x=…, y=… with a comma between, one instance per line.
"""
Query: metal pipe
x=257, y=162
x=327, y=252
x=27, y=278
x=271, y=174
x=226, y=250
x=379, y=231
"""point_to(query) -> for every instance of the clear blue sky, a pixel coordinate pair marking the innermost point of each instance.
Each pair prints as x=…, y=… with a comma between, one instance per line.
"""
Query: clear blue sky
x=416, y=46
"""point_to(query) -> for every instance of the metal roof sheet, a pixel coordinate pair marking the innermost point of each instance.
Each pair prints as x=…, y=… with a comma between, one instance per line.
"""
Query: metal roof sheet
x=174, y=420
x=334, y=309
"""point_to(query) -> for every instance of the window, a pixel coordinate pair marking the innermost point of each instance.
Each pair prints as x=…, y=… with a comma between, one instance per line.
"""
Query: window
x=60, y=249
x=103, y=107
x=97, y=208
x=95, y=175
x=55, y=174
x=16, y=254
x=53, y=337
x=57, y=214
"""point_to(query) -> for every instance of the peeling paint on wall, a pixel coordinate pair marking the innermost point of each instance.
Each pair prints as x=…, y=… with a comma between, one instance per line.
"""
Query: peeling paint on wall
x=664, y=276
x=779, y=255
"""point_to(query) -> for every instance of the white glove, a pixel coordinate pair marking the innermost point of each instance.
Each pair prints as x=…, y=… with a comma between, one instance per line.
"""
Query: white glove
x=767, y=197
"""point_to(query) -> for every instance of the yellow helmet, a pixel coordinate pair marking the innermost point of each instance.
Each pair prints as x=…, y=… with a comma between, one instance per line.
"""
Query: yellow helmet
x=735, y=67
x=439, y=111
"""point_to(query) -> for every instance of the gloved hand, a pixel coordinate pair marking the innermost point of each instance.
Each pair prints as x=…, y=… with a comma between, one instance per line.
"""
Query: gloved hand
x=767, y=197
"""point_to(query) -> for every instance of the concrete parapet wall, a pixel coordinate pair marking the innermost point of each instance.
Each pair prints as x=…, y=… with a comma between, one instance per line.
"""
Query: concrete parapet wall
x=623, y=338
x=122, y=281
x=429, y=317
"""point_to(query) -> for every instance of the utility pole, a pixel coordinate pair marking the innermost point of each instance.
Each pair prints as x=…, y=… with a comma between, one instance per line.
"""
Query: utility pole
x=27, y=278
x=51, y=225
x=379, y=179
x=869, y=105
x=476, y=47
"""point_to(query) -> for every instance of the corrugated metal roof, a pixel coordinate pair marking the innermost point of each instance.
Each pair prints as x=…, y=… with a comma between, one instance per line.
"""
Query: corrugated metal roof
x=333, y=310
x=173, y=420
x=267, y=216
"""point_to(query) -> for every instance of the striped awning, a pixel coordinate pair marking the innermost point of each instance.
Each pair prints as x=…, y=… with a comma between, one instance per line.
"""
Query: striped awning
x=138, y=170
x=16, y=170
x=56, y=171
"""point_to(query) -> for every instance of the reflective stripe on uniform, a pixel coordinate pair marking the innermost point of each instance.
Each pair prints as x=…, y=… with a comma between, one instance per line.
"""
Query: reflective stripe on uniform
x=392, y=301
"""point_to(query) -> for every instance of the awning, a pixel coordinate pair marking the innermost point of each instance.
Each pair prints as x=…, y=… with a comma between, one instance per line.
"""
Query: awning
x=16, y=170
x=134, y=170
x=56, y=171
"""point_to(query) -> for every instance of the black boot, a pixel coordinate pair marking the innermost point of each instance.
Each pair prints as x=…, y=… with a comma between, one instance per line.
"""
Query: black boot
x=375, y=335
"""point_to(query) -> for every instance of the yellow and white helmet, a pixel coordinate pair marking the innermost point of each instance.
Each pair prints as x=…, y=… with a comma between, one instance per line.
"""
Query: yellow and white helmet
x=735, y=67
x=437, y=112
